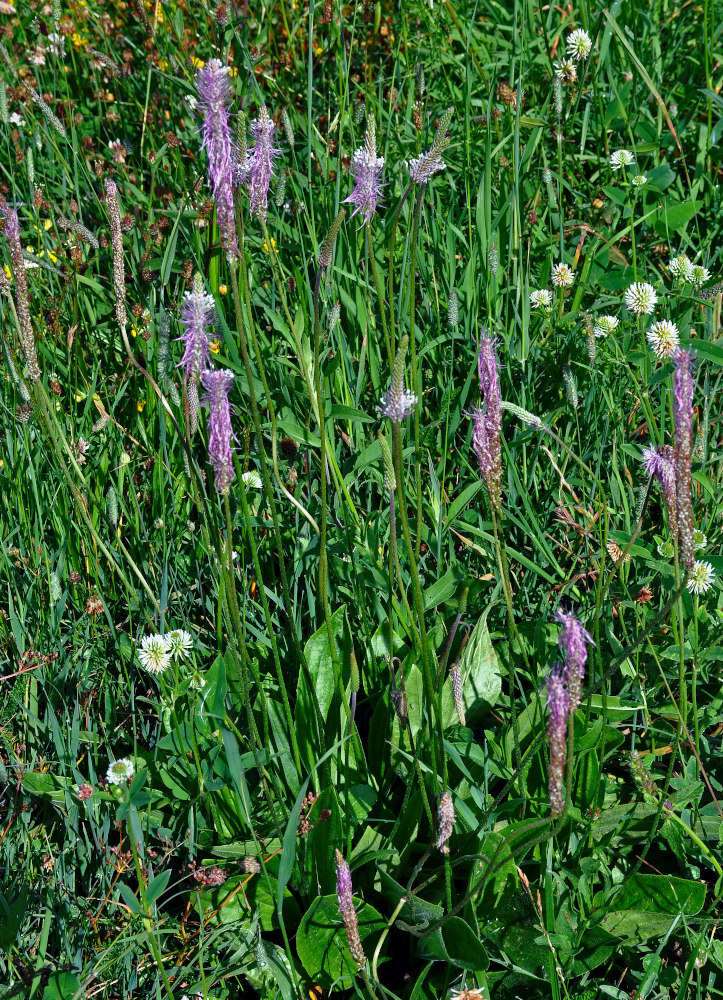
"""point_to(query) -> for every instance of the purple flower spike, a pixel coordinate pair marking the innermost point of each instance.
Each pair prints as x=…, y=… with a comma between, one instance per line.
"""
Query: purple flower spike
x=261, y=162
x=217, y=384
x=683, y=420
x=346, y=908
x=573, y=642
x=198, y=314
x=366, y=169
x=660, y=463
x=214, y=94
x=558, y=706
x=486, y=434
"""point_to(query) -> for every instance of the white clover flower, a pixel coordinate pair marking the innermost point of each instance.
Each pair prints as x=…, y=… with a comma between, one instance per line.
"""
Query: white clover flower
x=605, y=325
x=562, y=276
x=640, y=298
x=540, y=298
x=698, y=275
x=699, y=539
x=565, y=71
x=621, y=158
x=16, y=119
x=196, y=682
x=120, y=772
x=666, y=549
x=179, y=643
x=153, y=654
x=701, y=577
x=252, y=480
x=579, y=45
x=664, y=339
x=639, y=180
x=680, y=267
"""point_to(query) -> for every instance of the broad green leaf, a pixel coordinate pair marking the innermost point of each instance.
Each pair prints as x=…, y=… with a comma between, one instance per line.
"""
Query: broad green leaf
x=481, y=681
x=673, y=218
x=321, y=672
x=62, y=986
x=456, y=942
x=646, y=905
x=321, y=939
x=157, y=887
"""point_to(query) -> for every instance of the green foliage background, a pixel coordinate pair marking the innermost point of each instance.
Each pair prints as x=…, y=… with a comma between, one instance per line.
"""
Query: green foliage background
x=105, y=896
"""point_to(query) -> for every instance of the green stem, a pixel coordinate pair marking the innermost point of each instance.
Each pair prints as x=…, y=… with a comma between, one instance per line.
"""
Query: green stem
x=270, y=628
x=431, y=694
x=380, y=293
x=413, y=360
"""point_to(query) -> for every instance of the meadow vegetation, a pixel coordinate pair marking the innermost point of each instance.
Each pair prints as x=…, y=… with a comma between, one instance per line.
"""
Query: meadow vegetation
x=360, y=452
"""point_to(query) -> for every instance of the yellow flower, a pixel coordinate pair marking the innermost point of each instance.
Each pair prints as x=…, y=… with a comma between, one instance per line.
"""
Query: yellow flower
x=140, y=404
x=8, y=272
x=197, y=63
x=163, y=65
x=318, y=51
x=79, y=41
x=134, y=332
x=233, y=71
x=273, y=245
x=215, y=346
x=222, y=290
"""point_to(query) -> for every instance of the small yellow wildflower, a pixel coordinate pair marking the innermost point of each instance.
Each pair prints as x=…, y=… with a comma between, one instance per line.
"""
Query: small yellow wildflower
x=134, y=332
x=8, y=272
x=79, y=41
x=163, y=65
x=197, y=63
x=215, y=346
x=273, y=246
x=222, y=290
x=318, y=51
x=140, y=404
x=233, y=71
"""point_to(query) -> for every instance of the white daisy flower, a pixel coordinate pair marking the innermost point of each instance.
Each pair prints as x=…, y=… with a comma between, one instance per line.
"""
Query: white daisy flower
x=664, y=339
x=179, y=643
x=698, y=275
x=16, y=119
x=605, y=325
x=153, y=654
x=639, y=180
x=120, y=772
x=680, y=267
x=666, y=549
x=621, y=158
x=565, y=71
x=579, y=45
x=562, y=276
x=699, y=539
x=640, y=298
x=540, y=298
x=701, y=577
x=252, y=480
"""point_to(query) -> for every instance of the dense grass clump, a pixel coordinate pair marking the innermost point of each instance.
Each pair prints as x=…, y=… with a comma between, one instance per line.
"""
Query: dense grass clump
x=360, y=458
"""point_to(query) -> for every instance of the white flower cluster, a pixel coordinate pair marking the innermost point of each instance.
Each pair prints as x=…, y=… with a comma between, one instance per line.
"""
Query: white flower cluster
x=157, y=650
x=120, y=772
x=682, y=268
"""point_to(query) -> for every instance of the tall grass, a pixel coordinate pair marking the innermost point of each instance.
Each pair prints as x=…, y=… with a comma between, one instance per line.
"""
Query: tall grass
x=351, y=764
